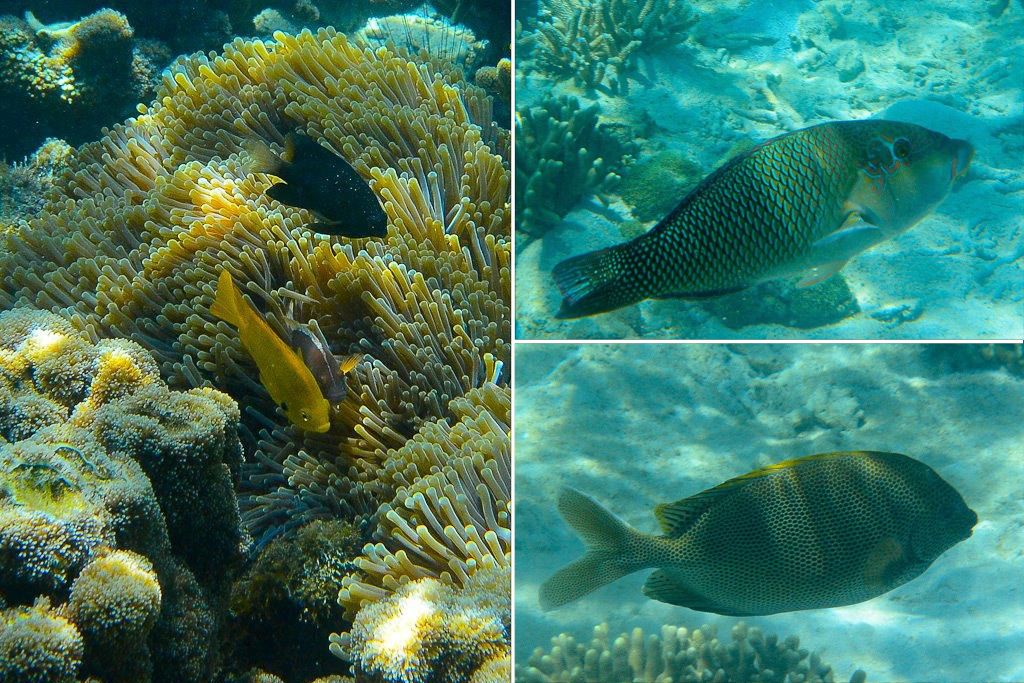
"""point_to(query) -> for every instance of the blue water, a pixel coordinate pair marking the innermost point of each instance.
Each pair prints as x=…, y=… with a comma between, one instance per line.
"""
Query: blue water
x=639, y=425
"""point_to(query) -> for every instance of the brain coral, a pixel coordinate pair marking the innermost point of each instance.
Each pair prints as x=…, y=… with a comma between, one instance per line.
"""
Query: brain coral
x=82, y=423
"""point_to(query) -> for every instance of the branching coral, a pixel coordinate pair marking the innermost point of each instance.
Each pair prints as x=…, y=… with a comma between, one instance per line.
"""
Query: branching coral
x=562, y=153
x=696, y=656
x=96, y=460
x=426, y=632
x=597, y=43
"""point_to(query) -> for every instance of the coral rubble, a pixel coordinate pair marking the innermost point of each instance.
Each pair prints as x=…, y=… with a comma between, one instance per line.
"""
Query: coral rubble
x=116, y=497
x=696, y=656
x=562, y=153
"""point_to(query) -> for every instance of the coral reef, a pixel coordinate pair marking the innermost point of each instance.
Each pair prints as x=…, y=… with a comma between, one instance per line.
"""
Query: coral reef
x=134, y=236
x=488, y=19
x=450, y=489
x=427, y=632
x=497, y=80
x=38, y=645
x=696, y=656
x=70, y=80
x=597, y=43
x=783, y=303
x=974, y=357
x=23, y=186
x=562, y=153
x=656, y=184
x=116, y=495
x=284, y=607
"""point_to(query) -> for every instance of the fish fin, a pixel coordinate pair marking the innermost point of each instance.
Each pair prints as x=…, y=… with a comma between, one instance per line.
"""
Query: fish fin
x=261, y=158
x=288, y=156
x=853, y=231
x=228, y=302
x=884, y=562
x=350, y=363
x=605, y=537
x=589, y=283
x=820, y=273
x=664, y=587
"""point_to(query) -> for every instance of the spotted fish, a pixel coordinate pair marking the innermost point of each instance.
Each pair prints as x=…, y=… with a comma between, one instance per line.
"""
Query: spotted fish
x=801, y=204
x=820, y=531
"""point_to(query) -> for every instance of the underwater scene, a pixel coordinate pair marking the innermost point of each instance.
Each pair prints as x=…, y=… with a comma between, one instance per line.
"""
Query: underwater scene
x=255, y=341
x=769, y=169
x=769, y=512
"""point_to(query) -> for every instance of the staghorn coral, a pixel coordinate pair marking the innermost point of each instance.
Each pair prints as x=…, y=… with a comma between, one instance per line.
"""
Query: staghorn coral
x=38, y=645
x=426, y=632
x=69, y=80
x=597, y=43
x=87, y=430
x=562, y=153
x=677, y=655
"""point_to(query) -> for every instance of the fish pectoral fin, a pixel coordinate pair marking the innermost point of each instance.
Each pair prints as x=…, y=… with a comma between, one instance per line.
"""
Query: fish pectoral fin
x=664, y=587
x=820, y=273
x=855, y=232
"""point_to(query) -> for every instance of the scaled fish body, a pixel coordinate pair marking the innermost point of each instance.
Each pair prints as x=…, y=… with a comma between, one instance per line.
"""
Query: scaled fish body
x=283, y=372
x=801, y=204
x=820, y=531
x=323, y=183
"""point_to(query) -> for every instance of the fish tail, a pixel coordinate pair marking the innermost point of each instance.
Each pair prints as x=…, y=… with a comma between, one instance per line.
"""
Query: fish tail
x=607, y=539
x=596, y=282
x=228, y=302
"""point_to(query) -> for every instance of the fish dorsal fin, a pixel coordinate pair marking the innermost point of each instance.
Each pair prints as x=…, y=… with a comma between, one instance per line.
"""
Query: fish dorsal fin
x=288, y=156
x=665, y=587
x=349, y=364
x=677, y=518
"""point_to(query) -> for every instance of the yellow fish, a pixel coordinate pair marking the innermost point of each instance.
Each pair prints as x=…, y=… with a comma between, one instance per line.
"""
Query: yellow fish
x=820, y=531
x=283, y=372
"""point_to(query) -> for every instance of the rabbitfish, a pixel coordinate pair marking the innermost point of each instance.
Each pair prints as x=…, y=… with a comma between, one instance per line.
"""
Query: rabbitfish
x=801, y=204
x=820, y=531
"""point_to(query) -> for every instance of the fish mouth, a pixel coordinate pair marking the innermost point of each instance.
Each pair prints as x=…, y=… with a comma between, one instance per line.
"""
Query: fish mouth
x=962, y=157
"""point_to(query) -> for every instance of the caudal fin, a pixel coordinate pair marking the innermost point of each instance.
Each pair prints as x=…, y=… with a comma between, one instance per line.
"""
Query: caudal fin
x=227, y=303
x=594, y=283
x=606, y=538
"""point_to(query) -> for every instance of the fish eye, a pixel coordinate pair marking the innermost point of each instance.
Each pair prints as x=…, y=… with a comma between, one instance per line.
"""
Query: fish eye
x=305, y=416
x=901, y=148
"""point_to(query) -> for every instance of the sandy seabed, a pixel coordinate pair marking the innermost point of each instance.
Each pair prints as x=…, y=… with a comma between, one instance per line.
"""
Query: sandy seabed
x=637, y=425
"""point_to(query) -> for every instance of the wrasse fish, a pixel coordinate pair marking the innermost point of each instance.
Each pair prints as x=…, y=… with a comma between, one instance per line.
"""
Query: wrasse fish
x=820, y=531
x=803, y=203
x=323, y=183
x=302, y=382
